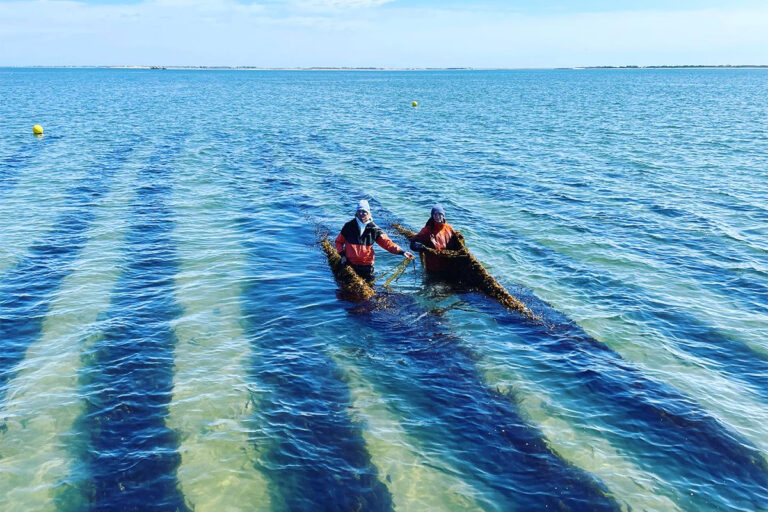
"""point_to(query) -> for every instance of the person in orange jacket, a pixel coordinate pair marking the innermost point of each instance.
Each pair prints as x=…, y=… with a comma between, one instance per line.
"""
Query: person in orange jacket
x=355, y=242
x=436, y=234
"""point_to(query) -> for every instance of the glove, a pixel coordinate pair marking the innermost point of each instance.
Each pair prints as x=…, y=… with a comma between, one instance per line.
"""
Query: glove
x=417, y=246
x=343, y=259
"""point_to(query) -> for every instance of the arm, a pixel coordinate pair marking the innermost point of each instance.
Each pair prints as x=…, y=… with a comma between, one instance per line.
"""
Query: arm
x=422, y=237
x=340, y=242
x=384, y=241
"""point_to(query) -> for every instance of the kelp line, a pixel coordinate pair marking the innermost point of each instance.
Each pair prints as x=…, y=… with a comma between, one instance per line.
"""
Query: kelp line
x=354, y=287
x=465, y=269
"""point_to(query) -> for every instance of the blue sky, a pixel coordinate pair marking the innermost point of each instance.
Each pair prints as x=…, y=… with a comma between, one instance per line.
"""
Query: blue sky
x=540, y=6
x=384, y=33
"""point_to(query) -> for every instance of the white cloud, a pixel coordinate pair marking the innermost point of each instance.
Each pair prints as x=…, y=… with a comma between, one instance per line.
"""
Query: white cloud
x=333, y=33
x=337, y=5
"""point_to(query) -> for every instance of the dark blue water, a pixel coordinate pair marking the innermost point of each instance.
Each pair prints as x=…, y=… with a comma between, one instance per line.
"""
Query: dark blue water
x=171, y=337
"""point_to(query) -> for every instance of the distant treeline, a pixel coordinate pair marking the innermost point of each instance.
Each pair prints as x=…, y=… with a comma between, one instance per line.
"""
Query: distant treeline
x=681, y=66
x=314, y=68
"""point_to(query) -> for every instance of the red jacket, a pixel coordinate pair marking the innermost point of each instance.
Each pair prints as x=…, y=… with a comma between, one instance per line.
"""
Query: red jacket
x=437, y=236
x=358, y=248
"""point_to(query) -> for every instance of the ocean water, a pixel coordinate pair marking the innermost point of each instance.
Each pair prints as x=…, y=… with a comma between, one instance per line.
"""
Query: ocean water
x=171, y=337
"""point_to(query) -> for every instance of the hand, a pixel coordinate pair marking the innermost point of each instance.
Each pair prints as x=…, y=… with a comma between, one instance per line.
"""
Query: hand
x=409, y=255
x=343, y=259
x=417, y=246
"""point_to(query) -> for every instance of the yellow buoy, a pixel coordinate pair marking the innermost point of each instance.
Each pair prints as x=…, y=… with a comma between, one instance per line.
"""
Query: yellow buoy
x=415, y=104
x=37, y=129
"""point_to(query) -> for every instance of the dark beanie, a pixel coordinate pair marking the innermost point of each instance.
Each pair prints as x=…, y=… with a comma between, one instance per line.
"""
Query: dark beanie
x=438, y=209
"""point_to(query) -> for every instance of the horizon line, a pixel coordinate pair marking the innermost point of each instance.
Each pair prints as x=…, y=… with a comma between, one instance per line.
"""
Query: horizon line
x=377, y=68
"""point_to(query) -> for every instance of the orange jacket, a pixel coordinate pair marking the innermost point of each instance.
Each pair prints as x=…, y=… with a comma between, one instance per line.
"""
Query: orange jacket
x=436, y=236
x=358, y=248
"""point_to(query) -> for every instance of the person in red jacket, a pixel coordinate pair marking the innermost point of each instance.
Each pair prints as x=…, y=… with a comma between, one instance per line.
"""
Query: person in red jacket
x=436, y=234
x=355, y=242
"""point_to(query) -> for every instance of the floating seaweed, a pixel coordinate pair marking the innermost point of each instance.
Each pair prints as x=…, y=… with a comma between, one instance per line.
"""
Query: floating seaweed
x=354, y=287
x=466, y=270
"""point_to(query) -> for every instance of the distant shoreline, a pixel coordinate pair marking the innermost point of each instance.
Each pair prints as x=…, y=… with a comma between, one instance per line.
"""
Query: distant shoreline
x=256, y=68
x=681, y=66
x=322, y=68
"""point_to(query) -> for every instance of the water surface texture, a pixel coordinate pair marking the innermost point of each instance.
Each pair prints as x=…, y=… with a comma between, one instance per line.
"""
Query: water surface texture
x=171, y=337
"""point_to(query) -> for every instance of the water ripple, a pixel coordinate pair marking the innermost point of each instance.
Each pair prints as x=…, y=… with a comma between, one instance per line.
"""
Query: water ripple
x=171, y=339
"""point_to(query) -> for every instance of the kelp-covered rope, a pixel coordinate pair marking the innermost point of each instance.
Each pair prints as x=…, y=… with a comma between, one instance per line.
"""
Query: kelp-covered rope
x=398, y=272
x=354, y=287
x=467, y=270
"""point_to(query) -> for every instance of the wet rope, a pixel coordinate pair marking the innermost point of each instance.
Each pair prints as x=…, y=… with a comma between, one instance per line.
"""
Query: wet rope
x=398, y=272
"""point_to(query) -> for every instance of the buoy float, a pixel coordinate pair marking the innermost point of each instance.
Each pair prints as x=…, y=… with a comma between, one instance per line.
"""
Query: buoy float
x=37, y=129
x=415, y=104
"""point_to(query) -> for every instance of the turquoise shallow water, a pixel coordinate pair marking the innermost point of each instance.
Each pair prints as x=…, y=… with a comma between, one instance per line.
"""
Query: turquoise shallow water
x=172, y=339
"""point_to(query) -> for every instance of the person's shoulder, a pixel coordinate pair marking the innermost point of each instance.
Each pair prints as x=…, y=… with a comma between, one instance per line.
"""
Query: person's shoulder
x=349, y=226
x=373, y=227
